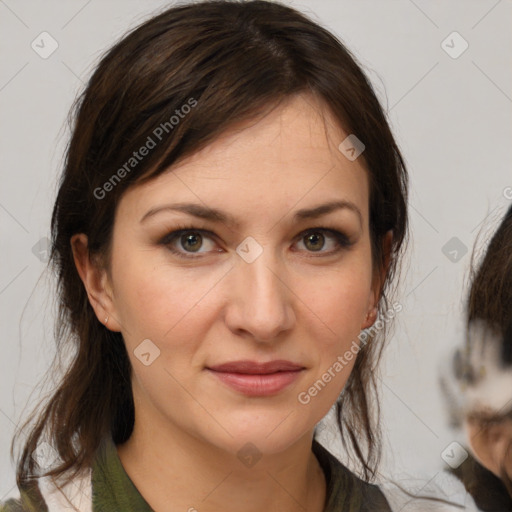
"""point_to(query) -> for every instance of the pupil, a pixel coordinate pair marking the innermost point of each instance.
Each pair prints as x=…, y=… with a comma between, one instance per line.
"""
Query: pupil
x=315, y=238
x=191, y=238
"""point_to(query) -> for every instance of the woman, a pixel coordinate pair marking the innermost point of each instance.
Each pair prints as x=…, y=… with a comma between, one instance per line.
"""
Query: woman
x=483, y=370
x=229, y=221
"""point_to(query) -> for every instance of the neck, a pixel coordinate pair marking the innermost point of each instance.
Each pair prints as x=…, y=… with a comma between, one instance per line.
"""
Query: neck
x=170, y=466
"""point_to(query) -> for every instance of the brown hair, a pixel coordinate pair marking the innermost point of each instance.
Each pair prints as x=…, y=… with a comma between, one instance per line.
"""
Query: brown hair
x=235, y=60
x=490, y=296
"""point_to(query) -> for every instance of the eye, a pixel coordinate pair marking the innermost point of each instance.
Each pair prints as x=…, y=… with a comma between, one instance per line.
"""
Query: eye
x=187, y=241
x=318, y=238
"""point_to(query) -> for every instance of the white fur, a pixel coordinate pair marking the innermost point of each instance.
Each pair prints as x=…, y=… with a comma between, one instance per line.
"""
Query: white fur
x=492, y=391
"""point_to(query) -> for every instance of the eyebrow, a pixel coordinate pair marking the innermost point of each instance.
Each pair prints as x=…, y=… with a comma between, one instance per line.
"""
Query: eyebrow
x=215, y=215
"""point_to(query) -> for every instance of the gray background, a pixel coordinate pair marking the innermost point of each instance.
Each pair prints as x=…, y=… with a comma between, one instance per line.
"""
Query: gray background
x=451, y=117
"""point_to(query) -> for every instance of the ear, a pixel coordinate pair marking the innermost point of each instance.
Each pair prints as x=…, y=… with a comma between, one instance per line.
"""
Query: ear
x=379, y=278
x=96, y=282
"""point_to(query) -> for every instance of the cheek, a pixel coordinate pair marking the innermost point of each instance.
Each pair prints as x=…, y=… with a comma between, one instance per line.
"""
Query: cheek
x=339, y=307
x=160, y=301
x=148, y=302
x=341, y=299
x=339, y=310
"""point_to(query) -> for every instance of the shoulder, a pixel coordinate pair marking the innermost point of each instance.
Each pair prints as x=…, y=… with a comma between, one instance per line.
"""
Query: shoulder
x=486, y=489
x=345, y=490
x=12, y=505
x=441, y=492
x=45, y=495
x=29, y=499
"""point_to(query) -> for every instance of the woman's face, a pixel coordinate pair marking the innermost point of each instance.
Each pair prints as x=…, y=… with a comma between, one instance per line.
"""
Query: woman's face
x=275, y=265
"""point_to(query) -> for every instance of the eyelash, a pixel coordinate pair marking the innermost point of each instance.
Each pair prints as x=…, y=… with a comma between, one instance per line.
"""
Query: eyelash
x=341, y=239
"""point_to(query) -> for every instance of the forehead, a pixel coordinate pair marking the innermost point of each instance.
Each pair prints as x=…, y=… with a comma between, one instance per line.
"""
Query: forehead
x=288, y=158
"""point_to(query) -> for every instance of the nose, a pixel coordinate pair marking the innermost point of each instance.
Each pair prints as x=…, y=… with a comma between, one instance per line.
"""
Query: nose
x=260, y=304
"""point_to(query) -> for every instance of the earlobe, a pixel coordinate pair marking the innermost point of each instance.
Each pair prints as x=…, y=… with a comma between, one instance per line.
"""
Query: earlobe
x=95, y=280
x=371, y=316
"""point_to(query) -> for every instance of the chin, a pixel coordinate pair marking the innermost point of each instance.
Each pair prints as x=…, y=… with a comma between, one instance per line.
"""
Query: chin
x=269, y=435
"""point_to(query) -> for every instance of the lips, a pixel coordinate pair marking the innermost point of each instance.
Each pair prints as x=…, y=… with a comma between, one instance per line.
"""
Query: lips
x=257, y=379
x=255, y=368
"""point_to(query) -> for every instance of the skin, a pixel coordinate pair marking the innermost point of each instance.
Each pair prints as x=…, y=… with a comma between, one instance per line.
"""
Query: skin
x=291, y=303
x=490, y=444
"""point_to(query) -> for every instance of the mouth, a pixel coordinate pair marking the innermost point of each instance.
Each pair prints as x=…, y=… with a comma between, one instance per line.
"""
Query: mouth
x=257, y=379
